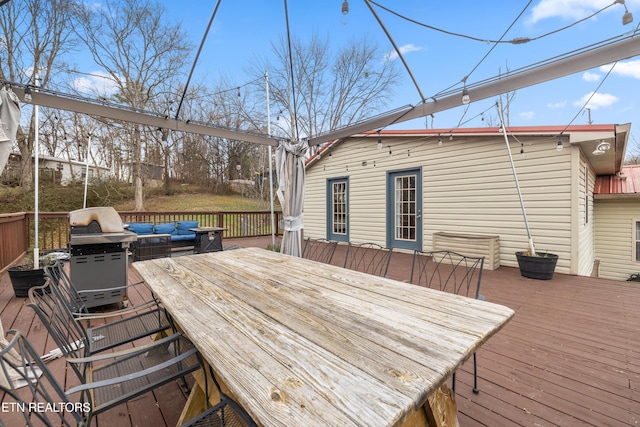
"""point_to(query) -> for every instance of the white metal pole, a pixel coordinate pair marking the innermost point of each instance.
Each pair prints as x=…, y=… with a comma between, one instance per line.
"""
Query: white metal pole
x=532, y=249
x=273, y=222
x=86, y=172
x=36, y=178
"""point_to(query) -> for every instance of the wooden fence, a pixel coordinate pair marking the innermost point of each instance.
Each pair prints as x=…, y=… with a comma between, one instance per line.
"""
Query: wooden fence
x=17, y=229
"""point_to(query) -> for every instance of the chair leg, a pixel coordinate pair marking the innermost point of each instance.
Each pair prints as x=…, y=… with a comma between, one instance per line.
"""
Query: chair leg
x=476, y=390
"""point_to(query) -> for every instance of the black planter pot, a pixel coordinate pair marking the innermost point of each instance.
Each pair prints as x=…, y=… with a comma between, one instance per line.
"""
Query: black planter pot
x=541, y=266
x=24, y=279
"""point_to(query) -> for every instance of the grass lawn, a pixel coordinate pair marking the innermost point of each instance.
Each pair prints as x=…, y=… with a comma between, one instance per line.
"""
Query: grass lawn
x=198, y=202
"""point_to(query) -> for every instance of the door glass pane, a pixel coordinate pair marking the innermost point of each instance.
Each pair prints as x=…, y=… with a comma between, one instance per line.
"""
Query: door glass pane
x=405, y=208
x=339, y=208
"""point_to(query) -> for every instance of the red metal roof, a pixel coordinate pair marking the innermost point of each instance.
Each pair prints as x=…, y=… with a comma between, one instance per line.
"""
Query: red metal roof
x=627, y=182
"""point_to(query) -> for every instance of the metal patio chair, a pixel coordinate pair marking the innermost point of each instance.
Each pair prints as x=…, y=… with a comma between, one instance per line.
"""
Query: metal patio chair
x=147, y=366
x=30, y=383
x=450, y=272
x=368, y=258
x=134, y=322
x=320, y=250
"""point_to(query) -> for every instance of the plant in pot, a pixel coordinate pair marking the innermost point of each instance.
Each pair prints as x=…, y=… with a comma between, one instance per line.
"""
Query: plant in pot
x=533, y=264
x=537, y=265
x=25, y=276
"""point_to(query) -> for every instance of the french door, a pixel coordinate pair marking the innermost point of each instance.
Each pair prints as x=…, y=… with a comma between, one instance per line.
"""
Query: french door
x=404, y=209
x=338, y=209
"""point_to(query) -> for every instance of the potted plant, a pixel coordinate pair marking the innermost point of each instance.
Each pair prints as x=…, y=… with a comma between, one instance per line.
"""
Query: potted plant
x=537, y=265
x=24, y=276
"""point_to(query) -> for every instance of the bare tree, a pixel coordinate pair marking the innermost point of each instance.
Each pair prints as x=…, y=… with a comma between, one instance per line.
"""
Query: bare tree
x=131, y=41
x=330, y=91
x=35, y=36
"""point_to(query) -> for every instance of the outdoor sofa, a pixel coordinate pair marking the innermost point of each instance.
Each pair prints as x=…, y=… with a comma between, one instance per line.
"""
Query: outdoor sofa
x=158, y=240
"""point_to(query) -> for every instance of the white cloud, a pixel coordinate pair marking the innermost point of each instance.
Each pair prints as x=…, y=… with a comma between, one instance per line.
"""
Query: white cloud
x=598, y=100
x=625, y=69
x=403, y=50
x=590, y=77
x=567, y=9
x=527, y=115
x=96, y=83
x=556, y=105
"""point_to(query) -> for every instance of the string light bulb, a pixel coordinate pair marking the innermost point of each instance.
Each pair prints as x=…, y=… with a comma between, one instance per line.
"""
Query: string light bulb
x=390, y=153
x=379, y=141
x=345, y=7
x=559, y=147
x=27, y=94
x=439, y=140
x=465, y=96
x=627, y=18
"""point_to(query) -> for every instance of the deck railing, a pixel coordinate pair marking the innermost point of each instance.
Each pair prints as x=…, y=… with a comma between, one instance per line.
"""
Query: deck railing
x=17, y=229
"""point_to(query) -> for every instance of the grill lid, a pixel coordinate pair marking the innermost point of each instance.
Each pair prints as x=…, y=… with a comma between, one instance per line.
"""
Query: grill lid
x=95, y=220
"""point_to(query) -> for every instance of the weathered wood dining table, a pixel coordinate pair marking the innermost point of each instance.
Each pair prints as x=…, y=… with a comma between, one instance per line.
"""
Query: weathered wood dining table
x=301, y=343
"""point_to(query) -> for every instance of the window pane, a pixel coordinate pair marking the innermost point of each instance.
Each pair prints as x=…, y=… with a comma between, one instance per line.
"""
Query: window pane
x=405, y=207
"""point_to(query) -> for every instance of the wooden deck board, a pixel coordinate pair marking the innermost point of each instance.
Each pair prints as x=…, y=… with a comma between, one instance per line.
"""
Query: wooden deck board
x=569, y=357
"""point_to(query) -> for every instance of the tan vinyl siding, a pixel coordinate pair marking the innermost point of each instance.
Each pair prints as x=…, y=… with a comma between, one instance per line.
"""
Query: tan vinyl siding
x=476, y=193
x=468, y=187
x=584, y=220
x=614, y=230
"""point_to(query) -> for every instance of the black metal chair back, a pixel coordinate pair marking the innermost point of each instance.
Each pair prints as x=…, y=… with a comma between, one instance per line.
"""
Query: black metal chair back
x=320, y=250
x=448, y=271
x=29, y=388
x=452, y=272
x=66, y=290
x=69, y=335
x=368, y=258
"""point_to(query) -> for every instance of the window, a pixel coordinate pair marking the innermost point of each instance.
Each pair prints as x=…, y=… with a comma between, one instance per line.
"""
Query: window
x=586, y=195
x=637, y=240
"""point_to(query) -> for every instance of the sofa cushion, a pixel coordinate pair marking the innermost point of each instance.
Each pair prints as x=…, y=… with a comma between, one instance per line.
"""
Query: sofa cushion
x=168, y=228
x=141, y=227
x=184, y=226
x=183, y=237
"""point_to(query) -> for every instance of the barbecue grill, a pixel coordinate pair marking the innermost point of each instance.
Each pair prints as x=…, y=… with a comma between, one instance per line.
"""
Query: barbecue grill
x=98, y=249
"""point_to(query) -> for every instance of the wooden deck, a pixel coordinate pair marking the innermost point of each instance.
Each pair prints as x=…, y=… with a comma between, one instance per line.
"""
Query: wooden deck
x=570, y=356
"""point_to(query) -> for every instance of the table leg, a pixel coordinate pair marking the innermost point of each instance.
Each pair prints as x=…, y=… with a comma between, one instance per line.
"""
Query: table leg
x=441, y=409
x=197, y=400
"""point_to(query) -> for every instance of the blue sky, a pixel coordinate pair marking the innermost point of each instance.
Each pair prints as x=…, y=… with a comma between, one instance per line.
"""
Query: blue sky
x=244, y=30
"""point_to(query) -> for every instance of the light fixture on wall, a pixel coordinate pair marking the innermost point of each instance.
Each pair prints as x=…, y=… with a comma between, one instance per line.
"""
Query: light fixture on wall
x=559, y=147
x=602, y=148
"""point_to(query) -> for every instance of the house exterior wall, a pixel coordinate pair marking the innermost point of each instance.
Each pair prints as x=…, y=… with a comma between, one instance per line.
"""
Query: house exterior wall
x=583, y=221
x=468, y=187
x=615, y=232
